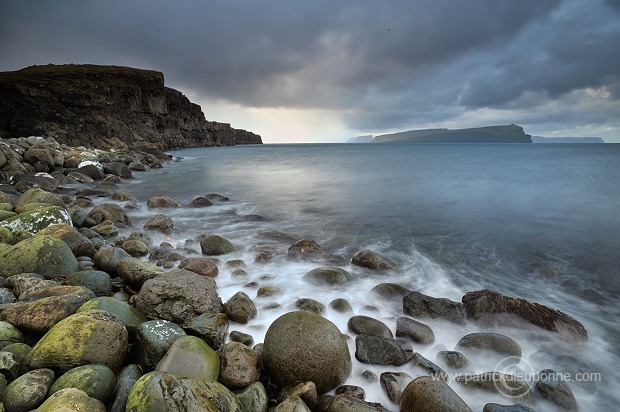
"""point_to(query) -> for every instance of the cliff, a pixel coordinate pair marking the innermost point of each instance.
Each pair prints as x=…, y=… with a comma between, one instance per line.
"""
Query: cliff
x=107, y=107
x=491, y=134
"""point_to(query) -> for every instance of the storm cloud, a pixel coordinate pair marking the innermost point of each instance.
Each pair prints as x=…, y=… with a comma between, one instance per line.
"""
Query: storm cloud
x=551, y=66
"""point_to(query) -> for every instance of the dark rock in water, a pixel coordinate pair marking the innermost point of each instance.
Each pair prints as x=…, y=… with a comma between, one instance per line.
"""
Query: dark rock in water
x=200, y=201
x=351, y=390
x=91, y=171
x=488, y=307
x=240, y=308
x=452, y=359
x=365, y=325
x=107, y=259
x=178, y=296
x=507, y=385
x=328, y=275
x=485, y=342
x=414, y=330
x=304, y=249
x=495, y=407
x=552, y=388
x=390, y=291
x=427, y=394
x=310, y=305
x=127, y=377
x=118, y=169
x=160, y=223
x=302, y=346
x=210, y=327
x=419, y=305
x=217, y=197
x=239, y=366
x=370, y=260
x=27, y=391
x=344, y=402
x=216, y=245
x=341, y=305
x=161, y=201
x=393, y=384
x=111, y=212
x=201, y=266
x=378, y=350
x=430, y=367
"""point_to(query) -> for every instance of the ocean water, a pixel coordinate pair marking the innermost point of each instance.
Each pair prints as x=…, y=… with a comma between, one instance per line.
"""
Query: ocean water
x=541, y=222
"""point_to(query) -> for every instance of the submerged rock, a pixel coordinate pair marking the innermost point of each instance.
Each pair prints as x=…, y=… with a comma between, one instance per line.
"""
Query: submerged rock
x=328, y=275
x=487, y=341
x=414, y=330
x=418, y=305
x=370, y=260
x=216, y=245
x=552, y=388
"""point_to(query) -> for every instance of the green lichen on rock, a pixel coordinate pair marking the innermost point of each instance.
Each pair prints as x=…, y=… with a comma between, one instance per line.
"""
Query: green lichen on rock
x=38, y=219
x=44, y=255
x=97, y=381
x=71, y=400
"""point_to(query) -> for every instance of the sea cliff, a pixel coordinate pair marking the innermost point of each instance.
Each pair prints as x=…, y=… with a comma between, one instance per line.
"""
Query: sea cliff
x=107, y=107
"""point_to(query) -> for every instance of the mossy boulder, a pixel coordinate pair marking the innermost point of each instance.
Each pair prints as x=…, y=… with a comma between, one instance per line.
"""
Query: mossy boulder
x=130, y=316
x=370, y=260
x=37, y=219
x=153, y=339
x=135, y=271
x=44, y=255
x=28, y=391
x=9, y=334
x=79, y=244
x=91, y=337
x=98, y=381
x=71, y=400
x=216, y=245
x=98, y=281
x=190, y=357
x=328, y=275
x=38, y=195
x=428, y=394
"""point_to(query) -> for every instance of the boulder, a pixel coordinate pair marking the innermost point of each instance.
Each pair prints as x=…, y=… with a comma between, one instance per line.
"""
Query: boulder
x=379, y=350
x=551, y=387
x=44, y=255
x=91, y=337
x=108, y=258
x=153, y=339
x=393, y=384
x=178, y=296
x=306, y=391
x=370, y=260
x=111, y=212
x=161, y=201
x=253, y=398
x=135, y=248
x=239, y=366
x=35, y=220
x=365, y=325
x=291, y=404
x=190, y=357
x=71, y=400
x=38, y=195
x=202, y=266
x=302, y=346
x=490, y=308
x=27, y=391
x=118, y=169
x=428, y=394
x=210, y=327
x=127, y=378
x=507, y=385
x=484, y=342
x=240, y=308
x=160, y=223
x=99, y=282
x=130, y=316
x=97, y=381
x=327, y=275
x=310, y=305
x=414, y=330
x=452, y=359
x=418, y=305
x=79, y=244
x=304, y=249
x=216, y=245
x=135, y=271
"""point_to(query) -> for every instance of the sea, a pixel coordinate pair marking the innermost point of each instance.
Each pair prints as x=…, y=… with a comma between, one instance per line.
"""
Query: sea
x=535, y=221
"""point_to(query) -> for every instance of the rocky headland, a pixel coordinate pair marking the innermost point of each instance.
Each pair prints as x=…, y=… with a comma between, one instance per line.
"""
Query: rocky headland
x=107, y=107
x=96, y=316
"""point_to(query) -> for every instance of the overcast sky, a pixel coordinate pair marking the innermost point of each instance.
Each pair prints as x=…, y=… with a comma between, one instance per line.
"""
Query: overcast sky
x=317, y=71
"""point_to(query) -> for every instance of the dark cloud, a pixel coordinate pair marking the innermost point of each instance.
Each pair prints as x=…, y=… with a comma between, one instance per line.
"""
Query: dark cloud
x=383, y=65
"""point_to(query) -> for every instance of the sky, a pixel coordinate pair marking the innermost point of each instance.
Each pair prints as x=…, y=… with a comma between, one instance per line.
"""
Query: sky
x=326, y=71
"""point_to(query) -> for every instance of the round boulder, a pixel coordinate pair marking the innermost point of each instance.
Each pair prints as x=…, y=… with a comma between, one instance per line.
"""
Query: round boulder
x=328, y=275
x=69, y=400
x=28, y=391
x=303, y=346
x=370, y=260
x=428, y=394
x=38, y=219
x=44, y=255
x=97, y=381
x=216, y=245
x=153, y=339
x=190, y=357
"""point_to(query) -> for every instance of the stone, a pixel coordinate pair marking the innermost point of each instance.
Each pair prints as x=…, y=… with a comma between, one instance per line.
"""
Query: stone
x=10, y=366
x=495, y=407
x=304, y=249
x=414, y=330
x=97, y=381
x=70, y=400
x=393, y=384
x=89, y=337
x=328, y=275
x=108, y=258
x=200, y=201
x=216, y=245
x=452, y=359
x=38, y=195
x=418, y=305
x=99, y=282
x=507, y=385
x=253, y=398
x=106, y=229
x=153, y=339
x=310, y=305
x=427, y=394
x=161, y=202
x=291, y=404
x=486, y=341
x=341, y=305
x=118, y=169
x=160, y=223
x=151, y=393
x=551, y=387
x=7, y=296
x=306, y=391
x=44, y=255
x=240, y=308
x=201, y=266
x=365, y=325
x=239, y=366
x=346, y=403
x=111, y=212
x=190, y=357
x=237, y=336
x=79, y=244
x=130, y=316
x=379, y=350
x=430, y=367
x=135, y=271
x=127, y=378
x=211, y=327
x=303, y=346
x=351, y=390
x=178, y=296
x=135, y=248
x=38, y=219
x=27, y=391
x=491, y=308
x=370, y=260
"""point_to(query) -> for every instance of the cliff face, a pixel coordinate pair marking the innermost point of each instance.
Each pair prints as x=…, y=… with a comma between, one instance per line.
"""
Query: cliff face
x=491, y=134
x=107, y=107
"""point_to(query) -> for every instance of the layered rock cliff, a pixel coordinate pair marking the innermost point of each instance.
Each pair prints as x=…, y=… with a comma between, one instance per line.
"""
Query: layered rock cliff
x=107, y=107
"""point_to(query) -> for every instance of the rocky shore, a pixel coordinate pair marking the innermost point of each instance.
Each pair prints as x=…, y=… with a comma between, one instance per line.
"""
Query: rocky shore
x=96, y=316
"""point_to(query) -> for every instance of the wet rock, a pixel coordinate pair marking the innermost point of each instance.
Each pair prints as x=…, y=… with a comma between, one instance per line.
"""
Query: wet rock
x=130, y=316
x=97, y=381
x=239, y=366
x=25, y=283
x=44, y=255
x=302, y=346
x=495, y=407
x=328, y=275
x=91, y=171
x=237, y=336
x=42, y=313
x=390, y=291
x=365, y=325
x=487, y=341
x=161, y=202
x=291, y=404
x=217, y=197
x=118, y=169
x=430, y=367
x=135, y=248
x=452, y=359
x=127, y=377
x=370, y=260
x=27, y=391
x=211, y=327
x=190, y=357
x=111, y=212
x=414, y=330
x=304, y=249
x=268, y=290
x=10, y=366
x=79, y=244
x=426, y=394
x=151, y=393
x=96, y=280
x=71, y=399
x=351, y=390
x=107, y=259
x=552, y=388
x=393, y=384
x=153, y=339
x=92, y=337
x=418, y=305
x=240, y=308
x=178, y=296
x=7, y=296
x=135, y=271
x=200, y=201
x=346, y=403
x=38, y=219
x=341, y=305
x=201, y=266
x=504, y=384
x=106, y=229
x=306, y=391
x=379, y=350
x=253, y=398
x=216, y=245
x=161, y=223
x=492, y=308
x=310, y=305
x=38, y=195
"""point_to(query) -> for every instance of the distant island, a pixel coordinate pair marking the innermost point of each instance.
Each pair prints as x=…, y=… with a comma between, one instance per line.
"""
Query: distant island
x=490, y=134
x=360, y=139
x=541, y=139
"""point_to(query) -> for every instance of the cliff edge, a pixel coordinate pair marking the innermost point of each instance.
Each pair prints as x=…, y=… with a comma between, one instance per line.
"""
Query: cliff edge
x=107, y=107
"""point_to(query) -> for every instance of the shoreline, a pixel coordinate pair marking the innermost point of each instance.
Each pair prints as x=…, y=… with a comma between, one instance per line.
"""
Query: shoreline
x=371, y=344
